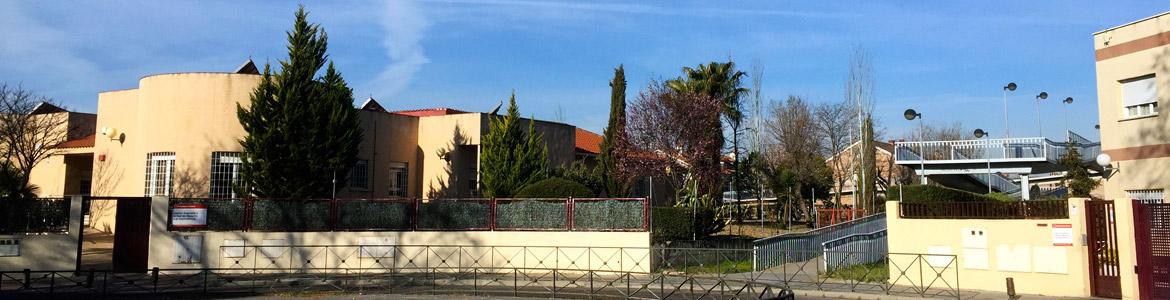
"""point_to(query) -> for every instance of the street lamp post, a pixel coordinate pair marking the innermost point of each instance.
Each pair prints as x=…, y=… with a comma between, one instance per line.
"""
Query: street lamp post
x=1011, y=86
x=1067, y=134
x=910, y=115
x=1041, y=96
x=979, y=134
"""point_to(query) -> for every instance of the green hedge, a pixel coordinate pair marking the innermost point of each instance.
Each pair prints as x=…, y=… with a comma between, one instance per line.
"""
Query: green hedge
x=530, y=214
x=555, y=188
x=289, y=215
x=367, y=215
x=607, y=214
x=930, y=193
x=670, y=223
x=453, y=215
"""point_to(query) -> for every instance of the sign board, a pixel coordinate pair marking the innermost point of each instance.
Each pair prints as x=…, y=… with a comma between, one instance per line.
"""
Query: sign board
x=1062, y=235
x=192, y=215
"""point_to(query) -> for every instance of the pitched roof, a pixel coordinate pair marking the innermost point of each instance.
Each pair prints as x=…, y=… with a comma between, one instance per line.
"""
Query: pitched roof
x=84, y=142
x=587, y=141
x=373, y=105
x=248, y=67
x=46, y=108
x=427, y=112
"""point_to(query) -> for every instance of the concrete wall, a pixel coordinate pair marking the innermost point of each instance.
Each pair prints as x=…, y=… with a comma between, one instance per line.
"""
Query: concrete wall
x=1020, y=249
x=570, y=250
x=47, y=252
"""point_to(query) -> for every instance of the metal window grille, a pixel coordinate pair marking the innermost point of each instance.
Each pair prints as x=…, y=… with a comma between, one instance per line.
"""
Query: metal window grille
x=1149, y=196
x=398, y=179
x=160, y=173
x=359, y=175
x=225, y=170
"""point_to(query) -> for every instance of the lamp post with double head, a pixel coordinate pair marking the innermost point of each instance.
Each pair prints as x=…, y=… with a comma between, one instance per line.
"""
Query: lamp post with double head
x=911, y=115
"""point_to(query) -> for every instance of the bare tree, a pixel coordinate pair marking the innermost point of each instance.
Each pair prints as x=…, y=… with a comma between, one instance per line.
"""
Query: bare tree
x=859, y=90
x=833, y=121
x=28, y=136
x=797, y=143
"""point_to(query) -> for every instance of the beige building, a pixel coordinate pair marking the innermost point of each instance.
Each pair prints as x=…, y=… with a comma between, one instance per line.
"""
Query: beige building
x=177, y=135
x=1133, y=78
x=843, y=166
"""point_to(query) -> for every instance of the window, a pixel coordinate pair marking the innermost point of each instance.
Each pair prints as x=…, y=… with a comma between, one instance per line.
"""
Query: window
x=1140, y=96
x=160, y=173
x=225, y=170
x=398, y=179
x=359, y=175
x=1147, y=196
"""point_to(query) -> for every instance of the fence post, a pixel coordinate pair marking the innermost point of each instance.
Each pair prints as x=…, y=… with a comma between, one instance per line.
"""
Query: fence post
x=89, y=279
x=154, y=278
x=27, y=279
x=414, y=219
x=492, y=214
x=569, y=220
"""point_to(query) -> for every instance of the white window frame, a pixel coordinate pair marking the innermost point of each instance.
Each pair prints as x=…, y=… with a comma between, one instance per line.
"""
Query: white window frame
x=360, y=175
x=1140, y=108
x=224, y=164
x=399, y=179
x=160, y=174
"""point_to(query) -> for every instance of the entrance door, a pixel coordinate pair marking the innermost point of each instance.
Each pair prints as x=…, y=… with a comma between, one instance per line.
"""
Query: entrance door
x=1104, y=268
x=131, y=234
x=1151, y=224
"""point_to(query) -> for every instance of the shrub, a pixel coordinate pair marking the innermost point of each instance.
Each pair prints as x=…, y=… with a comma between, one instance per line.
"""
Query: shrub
x=670, y=223
x=930, y=193
x=555, y=188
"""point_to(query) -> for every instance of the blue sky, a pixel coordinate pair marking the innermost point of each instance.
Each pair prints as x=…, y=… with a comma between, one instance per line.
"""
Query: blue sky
x=948, y=61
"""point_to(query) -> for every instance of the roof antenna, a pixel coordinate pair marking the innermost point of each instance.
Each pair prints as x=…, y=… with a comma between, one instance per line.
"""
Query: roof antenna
x=497, y=109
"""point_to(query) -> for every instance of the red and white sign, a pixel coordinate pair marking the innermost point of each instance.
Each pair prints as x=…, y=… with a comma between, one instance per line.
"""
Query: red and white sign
x=1062, y=235
x=193, y=215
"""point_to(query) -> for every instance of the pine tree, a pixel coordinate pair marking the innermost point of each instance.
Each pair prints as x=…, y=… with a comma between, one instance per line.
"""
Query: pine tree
x=868, y=168
x=1077, y=178
x=511, y=158
x=613, y=185
x=302, y=131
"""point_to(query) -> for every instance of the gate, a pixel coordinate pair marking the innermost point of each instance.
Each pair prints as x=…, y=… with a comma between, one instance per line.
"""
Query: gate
x=1104, y=267
x=131, y=234
x=1151, y=224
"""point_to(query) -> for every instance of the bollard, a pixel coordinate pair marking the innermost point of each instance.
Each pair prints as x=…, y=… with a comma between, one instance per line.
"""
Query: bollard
x=89, y=279
x=1011, y=288
x=154, y=278
x=27, y=278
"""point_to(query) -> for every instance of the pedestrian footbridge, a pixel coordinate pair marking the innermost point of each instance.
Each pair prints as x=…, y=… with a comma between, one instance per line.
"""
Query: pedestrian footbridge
x=975, y=164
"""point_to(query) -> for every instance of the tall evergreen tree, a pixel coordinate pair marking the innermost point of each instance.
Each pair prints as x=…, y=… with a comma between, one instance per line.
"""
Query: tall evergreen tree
x=1077, y=178
x=868, y=167
x=511, y=158
x=613, y=184
x=302, y=131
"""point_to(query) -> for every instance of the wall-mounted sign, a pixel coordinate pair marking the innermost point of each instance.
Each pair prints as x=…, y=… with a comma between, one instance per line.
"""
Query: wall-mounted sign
x=1062, y=235
x=193, y=215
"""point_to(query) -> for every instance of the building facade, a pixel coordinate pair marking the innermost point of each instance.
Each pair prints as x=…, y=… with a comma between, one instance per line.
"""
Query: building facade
x=1133, y=78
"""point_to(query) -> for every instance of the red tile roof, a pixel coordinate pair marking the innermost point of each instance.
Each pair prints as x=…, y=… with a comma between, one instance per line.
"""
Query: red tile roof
x=588, y=141
x=427, y=112
x=85, y=142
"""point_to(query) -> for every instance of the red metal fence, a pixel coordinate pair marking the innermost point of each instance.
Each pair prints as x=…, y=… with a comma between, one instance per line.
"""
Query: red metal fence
x=830, y=216
x=410, y=214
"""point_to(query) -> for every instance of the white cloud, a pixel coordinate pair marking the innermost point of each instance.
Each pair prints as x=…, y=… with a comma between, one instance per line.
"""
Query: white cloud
x=405, y=27
x=40, y=57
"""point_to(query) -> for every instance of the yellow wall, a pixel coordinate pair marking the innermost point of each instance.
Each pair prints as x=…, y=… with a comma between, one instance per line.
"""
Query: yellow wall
x=1020, y=249
x=1117, y=133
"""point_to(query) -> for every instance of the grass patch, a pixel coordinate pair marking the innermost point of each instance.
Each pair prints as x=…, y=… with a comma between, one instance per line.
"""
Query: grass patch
x=725, y=267
x=871, y=272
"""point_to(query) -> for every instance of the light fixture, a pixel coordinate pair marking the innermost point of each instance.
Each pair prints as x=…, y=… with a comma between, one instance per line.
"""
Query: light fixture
x=910, y=114
x=1042, y=96
x=1107, y=169
x=979, y=133
x=111, y=133
x=1068, y=100
x=1011, y=86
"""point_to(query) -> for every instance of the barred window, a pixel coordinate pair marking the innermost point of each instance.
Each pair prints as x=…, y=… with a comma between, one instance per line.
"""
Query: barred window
x=1152, y=196
x=359, y=175
x=160, y=173
x=225, y=170
x=398, y=179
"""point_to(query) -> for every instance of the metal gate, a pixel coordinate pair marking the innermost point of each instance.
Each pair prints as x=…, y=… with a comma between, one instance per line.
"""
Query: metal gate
x=1104, y=268
x=1151, y=224
x=131, y=234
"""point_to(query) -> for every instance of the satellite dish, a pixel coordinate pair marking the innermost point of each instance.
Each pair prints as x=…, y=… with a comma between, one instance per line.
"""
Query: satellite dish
x=1042, y=96
x=1068, y=100
x=1011, y=86
x=979, y=133
x=910, y=114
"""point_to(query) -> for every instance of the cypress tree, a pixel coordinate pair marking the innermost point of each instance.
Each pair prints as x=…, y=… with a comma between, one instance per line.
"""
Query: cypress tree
x=613, y=185
x=302, y=130
x=511, y=158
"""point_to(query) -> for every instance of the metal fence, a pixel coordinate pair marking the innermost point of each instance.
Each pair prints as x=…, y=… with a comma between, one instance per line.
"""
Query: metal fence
x=405, y=214
x=1055, y=209
x=855, y=250
x=777, y=250
x=671, y=273
x=40, y=215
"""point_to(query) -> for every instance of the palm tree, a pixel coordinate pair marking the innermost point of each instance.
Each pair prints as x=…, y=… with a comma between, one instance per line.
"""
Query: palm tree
x=720, y=81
